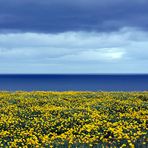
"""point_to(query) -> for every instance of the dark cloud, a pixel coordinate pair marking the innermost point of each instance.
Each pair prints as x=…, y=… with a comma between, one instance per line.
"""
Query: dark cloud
x=53, y=16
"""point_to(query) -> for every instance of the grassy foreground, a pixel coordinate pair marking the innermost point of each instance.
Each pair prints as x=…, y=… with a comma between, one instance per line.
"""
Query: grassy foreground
x=74, y=119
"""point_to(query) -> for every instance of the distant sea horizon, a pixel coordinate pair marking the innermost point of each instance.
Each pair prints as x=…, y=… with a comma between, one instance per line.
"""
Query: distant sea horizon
x=74, y=82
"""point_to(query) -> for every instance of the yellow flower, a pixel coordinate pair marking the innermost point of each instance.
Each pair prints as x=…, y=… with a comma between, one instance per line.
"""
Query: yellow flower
x=46, y=118
x=123, y=145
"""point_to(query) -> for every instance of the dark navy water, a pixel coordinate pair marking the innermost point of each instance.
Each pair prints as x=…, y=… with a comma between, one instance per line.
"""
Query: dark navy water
x=81, y=82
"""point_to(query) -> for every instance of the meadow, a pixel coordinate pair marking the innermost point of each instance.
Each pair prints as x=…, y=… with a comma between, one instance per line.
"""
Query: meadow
x=74, y=119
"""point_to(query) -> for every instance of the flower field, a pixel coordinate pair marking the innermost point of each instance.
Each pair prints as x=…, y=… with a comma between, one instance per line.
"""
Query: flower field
x=74, y=119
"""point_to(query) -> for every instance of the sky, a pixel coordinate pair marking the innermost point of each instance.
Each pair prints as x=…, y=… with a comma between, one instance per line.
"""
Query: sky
x=80, y=36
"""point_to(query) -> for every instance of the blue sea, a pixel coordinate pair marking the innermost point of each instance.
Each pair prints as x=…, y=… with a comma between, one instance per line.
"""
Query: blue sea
x=74, y=82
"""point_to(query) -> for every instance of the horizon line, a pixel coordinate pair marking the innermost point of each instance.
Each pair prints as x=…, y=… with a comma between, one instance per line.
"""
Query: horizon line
x=73, y=73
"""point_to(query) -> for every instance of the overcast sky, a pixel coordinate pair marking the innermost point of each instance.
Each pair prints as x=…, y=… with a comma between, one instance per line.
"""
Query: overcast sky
x=80, y=36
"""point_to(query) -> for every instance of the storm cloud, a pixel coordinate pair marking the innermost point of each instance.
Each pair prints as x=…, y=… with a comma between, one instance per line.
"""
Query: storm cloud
x=80, y=36
x=55, y=16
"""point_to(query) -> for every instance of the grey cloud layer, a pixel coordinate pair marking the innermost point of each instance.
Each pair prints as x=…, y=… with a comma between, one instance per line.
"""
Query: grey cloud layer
x=75, y=52
x=52, y=16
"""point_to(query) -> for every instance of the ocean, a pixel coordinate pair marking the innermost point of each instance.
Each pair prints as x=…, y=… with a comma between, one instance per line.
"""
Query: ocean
x=74, y=82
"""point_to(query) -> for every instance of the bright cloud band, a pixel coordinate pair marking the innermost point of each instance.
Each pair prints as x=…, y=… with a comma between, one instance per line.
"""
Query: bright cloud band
x=91, y=52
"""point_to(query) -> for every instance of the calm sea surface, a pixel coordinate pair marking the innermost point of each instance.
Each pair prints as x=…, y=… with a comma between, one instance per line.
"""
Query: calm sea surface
x=74, y=82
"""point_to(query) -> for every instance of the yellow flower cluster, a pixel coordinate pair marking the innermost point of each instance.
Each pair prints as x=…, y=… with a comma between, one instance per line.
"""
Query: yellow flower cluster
x=74, y=119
